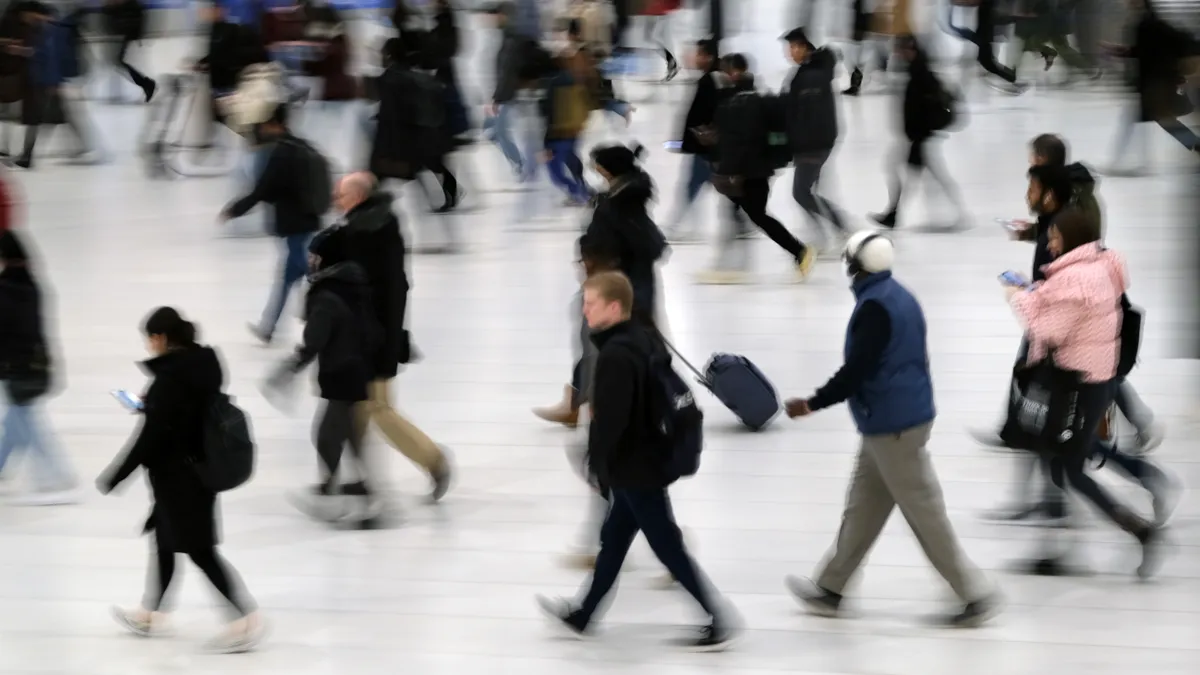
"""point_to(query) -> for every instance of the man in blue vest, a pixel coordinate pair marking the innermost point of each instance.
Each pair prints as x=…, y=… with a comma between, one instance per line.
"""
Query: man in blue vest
x=886, y=384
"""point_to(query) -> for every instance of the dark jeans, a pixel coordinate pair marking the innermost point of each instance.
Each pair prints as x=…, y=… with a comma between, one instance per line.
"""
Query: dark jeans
x=753, y=203
x=566, y=169
x=698, y=176
x=293, y=270
x=804, y=190
x=649, y=512
x=984, y=37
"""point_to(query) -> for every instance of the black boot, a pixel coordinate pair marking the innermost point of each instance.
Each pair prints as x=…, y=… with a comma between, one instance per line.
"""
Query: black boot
x=856, y=79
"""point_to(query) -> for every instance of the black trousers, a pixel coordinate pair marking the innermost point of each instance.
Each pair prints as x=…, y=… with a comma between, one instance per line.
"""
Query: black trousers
x=985, y=37
x=649, y=512
x=753, y=202
x=219, y=573
x=335, y=430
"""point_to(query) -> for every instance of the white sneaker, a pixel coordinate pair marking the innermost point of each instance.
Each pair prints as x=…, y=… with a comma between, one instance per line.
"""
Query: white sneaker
x=140, y=622
x=241, y=636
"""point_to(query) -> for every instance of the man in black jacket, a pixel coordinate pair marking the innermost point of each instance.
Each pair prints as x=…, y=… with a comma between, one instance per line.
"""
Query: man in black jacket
x=745, y=165
x=693, y=140
x=629, y=457
x=923, y=95
x=282, y=184
x=375, y=243
x=812, y=125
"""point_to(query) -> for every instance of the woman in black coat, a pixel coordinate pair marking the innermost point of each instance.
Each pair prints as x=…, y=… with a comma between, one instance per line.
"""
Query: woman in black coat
x=187, y=376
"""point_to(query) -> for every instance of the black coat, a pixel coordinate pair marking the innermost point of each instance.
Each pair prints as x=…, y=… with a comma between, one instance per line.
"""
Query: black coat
x=921, y=93
x=280, y=185
x=22, y=331
x=742, y=133
x=339, y=333
x=402, y=146
x=701, y=113
x=810, y=110
x=1158, y=48
x=621, y=226
x=625, y=448
x=376, y=243
x=184, y=515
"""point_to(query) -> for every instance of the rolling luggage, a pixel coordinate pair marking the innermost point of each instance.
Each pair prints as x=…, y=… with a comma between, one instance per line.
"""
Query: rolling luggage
x=739, y=385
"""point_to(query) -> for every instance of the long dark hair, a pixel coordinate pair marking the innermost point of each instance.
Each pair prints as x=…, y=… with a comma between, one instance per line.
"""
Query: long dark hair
x=166, y=321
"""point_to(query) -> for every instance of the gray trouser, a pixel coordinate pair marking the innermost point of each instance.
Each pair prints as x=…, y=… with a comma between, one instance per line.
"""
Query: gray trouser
x=805, y=179
x=895, y=470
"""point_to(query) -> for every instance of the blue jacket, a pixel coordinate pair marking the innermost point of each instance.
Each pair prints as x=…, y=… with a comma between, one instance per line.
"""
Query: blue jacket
x=898, y=393
x=54, y=57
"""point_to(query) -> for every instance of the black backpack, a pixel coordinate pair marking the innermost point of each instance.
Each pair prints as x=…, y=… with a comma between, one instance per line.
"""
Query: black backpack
x=228, y=460
x=316, y=181
x=674, y=412
x=1131, y=337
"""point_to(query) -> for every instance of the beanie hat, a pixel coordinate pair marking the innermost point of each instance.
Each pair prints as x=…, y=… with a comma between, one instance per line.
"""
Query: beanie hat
x=11, y=248
x=617, y=160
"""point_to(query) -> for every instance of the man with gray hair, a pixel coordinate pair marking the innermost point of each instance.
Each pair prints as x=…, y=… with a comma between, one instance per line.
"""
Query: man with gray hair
x=375, y=242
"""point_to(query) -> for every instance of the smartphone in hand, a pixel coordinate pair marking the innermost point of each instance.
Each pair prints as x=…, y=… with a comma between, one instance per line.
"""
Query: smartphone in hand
x=1013, y=224
x=129, y=401
x=1011, y=278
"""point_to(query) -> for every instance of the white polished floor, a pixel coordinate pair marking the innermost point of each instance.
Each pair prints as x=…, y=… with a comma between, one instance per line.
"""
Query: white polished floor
x=450, y=589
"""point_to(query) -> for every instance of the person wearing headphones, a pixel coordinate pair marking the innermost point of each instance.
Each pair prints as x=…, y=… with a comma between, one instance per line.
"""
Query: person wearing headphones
x=888, y=387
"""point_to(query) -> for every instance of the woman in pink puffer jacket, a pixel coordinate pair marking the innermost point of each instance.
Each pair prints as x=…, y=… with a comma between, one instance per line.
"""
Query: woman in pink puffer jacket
x=1075, y=314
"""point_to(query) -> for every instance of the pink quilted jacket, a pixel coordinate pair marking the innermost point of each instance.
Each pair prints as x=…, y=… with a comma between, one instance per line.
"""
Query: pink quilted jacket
x=1076, y=312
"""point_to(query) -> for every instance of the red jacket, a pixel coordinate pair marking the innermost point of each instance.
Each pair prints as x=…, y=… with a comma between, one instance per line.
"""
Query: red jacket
x=660, y=7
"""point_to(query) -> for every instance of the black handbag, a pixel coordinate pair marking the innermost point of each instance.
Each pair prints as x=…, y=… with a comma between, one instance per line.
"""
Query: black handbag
x=1044, y=414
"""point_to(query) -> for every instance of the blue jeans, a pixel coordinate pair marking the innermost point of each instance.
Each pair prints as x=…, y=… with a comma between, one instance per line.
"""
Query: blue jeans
x=294, y=269
x=649, y=512
x=566, y=169
x=22, y=429
x=500, y=127
x=698, y=177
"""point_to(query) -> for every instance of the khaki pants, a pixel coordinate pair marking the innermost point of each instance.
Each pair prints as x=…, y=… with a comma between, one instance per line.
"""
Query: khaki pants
x=400, y=433
x=895, y=470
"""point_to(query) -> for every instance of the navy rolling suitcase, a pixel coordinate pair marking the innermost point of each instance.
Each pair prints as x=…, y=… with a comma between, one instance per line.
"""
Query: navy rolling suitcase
x=740, y=385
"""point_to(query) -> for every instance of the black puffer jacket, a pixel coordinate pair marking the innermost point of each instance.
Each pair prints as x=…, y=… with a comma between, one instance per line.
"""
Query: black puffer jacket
x=376, y=243
x=742, y=124
x=168, y=444
x=621, y=224
x=810, y=108
x=339, y=333
x=921, y=94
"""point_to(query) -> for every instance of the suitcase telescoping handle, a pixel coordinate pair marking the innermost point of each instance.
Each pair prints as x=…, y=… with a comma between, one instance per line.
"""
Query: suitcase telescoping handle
x=700, y=377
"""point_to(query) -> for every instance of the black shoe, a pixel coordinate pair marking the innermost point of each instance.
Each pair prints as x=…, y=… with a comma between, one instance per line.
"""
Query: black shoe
x=816, y=600
x=149, y=90
x=856, y=79
x=564, y=617
x=975, y=614
x=887, y=220
x=1047, y=567
x=715, y=637
x=24, y=161
x=442, y=477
